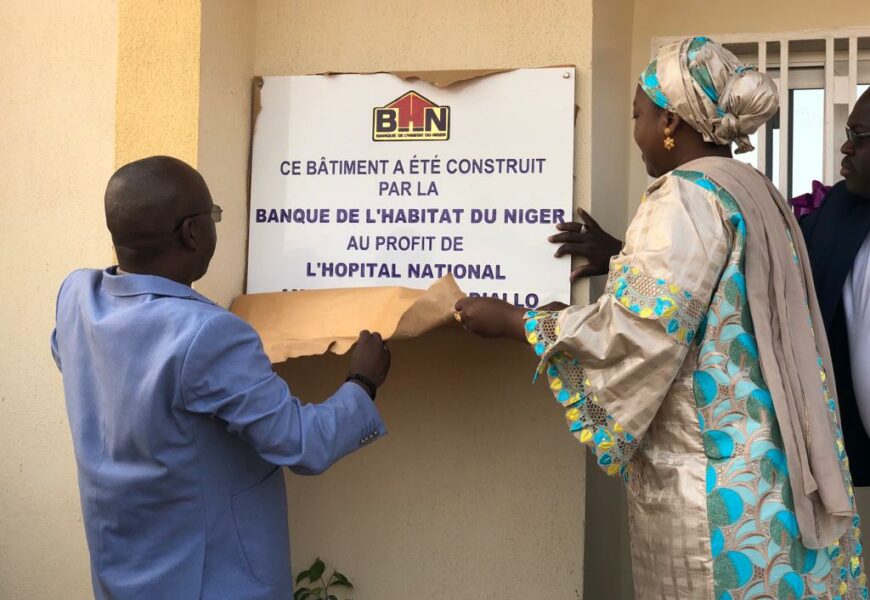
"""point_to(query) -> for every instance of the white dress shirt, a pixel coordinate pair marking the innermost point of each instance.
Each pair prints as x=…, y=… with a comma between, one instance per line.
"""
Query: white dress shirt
x=856, y=299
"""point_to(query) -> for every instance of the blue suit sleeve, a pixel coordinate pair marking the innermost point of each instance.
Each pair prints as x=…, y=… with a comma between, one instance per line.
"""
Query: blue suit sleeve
x=227, y=375
x=55, y=349
x=55, y=352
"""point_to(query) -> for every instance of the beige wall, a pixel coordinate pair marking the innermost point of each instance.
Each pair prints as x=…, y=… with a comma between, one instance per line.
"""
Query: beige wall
x=226, y=73
x=608, y=574
x=56, y=153
x=475, y=493
x=478, y=489
x=611, y=106
x=157, y=100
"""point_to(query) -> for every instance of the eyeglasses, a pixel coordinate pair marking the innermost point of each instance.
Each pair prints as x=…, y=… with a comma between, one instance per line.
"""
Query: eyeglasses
x=215, y=212
x=853, y=137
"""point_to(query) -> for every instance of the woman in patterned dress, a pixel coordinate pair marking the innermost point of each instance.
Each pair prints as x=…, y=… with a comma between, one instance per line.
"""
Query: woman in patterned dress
x=701, y=376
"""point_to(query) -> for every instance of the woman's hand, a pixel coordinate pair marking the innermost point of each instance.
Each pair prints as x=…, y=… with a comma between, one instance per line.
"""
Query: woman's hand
x=589, y=240
x=491, y=318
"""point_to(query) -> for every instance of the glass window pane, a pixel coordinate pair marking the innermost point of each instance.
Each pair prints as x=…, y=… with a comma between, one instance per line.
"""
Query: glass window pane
x=808, y=141
x=750, y=158
x=774, y=174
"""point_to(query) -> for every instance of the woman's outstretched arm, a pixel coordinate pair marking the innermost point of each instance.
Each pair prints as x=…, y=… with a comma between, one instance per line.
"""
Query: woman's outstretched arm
x=492, y=318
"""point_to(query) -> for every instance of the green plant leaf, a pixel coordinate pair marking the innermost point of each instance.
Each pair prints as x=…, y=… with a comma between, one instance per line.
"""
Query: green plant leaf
x=302, y=594
x=316, y=570
x=302, y=575
x=342, y=580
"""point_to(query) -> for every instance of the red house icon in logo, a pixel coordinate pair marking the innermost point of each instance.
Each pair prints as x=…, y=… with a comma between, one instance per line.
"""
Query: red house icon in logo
x=411, y=117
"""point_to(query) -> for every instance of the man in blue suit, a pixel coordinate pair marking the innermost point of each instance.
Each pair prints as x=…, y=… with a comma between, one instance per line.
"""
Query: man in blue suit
x=179, y=424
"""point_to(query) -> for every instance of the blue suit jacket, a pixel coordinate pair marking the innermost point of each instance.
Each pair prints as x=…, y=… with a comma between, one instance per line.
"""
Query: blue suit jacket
x=179, y=426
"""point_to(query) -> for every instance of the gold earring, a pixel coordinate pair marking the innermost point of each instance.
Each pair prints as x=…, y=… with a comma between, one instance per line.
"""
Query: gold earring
x=670, y=143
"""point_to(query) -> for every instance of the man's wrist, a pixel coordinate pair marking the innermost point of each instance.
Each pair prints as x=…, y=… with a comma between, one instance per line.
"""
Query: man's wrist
x=365, y=383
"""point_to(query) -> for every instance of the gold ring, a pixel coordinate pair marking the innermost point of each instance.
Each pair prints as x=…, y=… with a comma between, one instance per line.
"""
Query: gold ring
x=458, y=316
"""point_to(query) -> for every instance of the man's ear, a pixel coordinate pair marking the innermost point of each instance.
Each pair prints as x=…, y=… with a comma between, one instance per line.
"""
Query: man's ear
x=187, y=234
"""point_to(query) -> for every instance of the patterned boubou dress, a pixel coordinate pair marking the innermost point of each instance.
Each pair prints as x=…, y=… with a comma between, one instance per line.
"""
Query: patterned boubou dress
x=661, y=379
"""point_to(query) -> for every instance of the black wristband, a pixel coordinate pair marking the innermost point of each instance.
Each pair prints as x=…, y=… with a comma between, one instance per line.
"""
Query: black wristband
x=367, y=383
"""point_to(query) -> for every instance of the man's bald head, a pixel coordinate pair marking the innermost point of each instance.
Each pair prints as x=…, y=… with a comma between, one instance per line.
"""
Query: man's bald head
x=156, y=207
x=856, y=162
x=146, y=198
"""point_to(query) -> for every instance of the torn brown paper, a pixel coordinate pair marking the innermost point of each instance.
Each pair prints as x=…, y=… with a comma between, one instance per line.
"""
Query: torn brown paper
x=293, y=324
x=440, y=79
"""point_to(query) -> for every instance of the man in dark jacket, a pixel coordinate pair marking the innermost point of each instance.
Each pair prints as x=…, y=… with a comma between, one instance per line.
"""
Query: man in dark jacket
x=837, y=240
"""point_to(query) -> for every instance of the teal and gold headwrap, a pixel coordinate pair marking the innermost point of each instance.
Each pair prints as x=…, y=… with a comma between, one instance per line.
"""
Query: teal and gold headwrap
x=711, y=90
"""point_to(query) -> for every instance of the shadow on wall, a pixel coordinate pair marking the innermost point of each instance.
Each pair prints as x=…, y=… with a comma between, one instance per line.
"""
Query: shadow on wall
x=477, y=485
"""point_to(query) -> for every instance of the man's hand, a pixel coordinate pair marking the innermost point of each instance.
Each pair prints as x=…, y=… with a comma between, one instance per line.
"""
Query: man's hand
x=491, y=318
x=371, y=358
x=589, y=240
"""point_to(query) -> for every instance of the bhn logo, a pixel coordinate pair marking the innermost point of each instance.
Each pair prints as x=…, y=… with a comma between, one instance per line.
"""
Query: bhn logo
x=411, y=118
